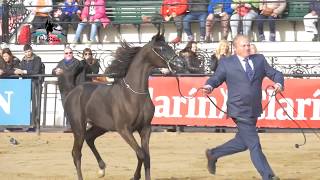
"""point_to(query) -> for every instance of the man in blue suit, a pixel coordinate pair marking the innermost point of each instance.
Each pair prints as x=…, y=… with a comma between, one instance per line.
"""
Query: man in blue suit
x=243, y=74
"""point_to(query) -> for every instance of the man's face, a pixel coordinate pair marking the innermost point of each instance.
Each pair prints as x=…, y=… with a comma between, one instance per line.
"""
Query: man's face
x=68, y=54
x=242, y=47
x=28, y=53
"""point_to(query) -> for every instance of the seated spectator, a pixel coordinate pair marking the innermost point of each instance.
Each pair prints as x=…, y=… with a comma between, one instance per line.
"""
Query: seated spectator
x=270, y=10
x=41, y=10
x=69, y=15
x=92, y=65
x=223, y=50
x=197, y=13
x=9, y=64
x=174, y=9
x=311, y=19
x=31, y=65
x=244, y=13
x=93, y=13
x=193, y=62
x=218, y=10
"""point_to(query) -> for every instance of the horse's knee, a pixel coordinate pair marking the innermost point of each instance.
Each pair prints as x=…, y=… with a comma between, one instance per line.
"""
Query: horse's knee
x=141, y=154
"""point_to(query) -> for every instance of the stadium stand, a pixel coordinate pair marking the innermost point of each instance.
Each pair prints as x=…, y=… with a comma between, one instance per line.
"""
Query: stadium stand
x=295, y=12
x=131, y=12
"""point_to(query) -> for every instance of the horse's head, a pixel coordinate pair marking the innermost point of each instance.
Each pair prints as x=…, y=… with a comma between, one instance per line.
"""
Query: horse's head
x=162, y=55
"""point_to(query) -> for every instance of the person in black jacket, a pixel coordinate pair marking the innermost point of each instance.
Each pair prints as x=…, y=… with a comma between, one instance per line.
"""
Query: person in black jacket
x=193, y=62
x=67, y=71
x=9, y=64
x=31, y=64
x=91, y=65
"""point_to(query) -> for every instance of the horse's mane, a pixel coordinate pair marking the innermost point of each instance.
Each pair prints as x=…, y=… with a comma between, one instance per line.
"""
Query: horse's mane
x=122, y=60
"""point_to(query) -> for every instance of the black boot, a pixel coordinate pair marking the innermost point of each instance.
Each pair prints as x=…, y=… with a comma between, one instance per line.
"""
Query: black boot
x=316, y=37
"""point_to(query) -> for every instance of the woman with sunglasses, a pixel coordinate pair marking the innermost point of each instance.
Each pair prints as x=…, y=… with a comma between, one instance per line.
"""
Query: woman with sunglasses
x=92, y=64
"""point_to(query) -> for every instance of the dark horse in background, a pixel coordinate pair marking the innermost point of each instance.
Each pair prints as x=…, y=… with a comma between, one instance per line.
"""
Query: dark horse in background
x=124, y=107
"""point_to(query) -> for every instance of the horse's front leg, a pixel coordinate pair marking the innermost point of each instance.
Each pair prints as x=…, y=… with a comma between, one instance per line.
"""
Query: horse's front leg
x=145, y=139
x=129, y=138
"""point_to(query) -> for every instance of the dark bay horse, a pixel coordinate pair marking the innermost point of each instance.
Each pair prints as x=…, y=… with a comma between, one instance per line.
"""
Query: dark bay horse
x=124, y=107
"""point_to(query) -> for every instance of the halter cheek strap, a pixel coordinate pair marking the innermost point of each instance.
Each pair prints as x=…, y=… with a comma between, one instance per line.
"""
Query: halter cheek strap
x=167, y=61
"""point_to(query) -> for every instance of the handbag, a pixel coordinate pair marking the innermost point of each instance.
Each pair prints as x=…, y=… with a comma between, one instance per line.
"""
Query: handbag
x=243, y=10
x=267, y=11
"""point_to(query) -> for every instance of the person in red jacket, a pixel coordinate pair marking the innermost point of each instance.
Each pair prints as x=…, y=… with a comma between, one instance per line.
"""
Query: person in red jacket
x=174, y=9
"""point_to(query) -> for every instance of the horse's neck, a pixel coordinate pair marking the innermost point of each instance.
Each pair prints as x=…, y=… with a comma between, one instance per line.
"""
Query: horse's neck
x=138, y=73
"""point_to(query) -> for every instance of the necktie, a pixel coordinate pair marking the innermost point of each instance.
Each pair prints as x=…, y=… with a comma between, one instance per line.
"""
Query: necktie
x=249, y=70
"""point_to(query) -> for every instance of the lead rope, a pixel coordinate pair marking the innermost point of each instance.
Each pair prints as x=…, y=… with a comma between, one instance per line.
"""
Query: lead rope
x=273, y=94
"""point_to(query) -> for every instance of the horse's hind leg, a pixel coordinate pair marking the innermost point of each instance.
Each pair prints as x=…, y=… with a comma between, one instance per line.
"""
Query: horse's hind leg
x=145, y=137
x=91, y=135
x=129, y=138
x=76, y=152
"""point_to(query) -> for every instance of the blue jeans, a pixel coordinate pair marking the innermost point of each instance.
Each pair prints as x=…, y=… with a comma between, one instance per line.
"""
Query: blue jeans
x=93, y=32
x=195, y=17
x=272, y=23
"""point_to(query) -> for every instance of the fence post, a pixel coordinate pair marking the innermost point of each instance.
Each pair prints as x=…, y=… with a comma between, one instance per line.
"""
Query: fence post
x=5, y=21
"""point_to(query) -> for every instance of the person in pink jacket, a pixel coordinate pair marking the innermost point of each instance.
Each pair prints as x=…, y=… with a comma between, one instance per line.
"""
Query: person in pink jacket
x=93, y=13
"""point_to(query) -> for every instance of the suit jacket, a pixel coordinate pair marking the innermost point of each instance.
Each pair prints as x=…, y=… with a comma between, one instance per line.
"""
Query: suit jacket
x=244, y=96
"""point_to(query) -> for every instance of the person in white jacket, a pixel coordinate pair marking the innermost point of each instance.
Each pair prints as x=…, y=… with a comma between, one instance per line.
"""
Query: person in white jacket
x=40, y=9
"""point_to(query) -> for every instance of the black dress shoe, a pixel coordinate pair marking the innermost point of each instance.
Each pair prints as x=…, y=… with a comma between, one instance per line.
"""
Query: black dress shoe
x=211, y=162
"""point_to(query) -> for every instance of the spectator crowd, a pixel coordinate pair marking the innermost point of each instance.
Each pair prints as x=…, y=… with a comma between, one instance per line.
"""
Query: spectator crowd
x=235, y=16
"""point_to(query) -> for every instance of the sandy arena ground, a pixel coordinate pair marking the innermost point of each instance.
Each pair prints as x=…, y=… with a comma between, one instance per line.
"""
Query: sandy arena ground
x=174, y=156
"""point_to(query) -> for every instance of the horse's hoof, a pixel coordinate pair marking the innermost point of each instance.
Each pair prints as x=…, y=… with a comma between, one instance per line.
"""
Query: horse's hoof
x=101, y=173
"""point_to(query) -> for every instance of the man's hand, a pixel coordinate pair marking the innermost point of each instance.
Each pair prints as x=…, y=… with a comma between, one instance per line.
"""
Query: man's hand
x=207, y=89
x=277, y=88
x=167, y=18
x=59, y=71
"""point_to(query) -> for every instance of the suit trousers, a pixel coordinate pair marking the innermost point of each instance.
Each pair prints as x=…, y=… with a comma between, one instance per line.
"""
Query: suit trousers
x=246, y=138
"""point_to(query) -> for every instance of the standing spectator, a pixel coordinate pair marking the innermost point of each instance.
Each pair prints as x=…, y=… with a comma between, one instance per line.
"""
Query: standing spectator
x=174, y=9
x=218, y=10
x=244, y=13
x=222, y=51
x=193, y=62
x=31, y=65
x=94, y=13
x=92, y=65
x=9, y=64
x=41, y=10
x=311, y=20
x=66, y=70
x=70, y=15
x=197, y=13
x=243, y=74
x=270, y=10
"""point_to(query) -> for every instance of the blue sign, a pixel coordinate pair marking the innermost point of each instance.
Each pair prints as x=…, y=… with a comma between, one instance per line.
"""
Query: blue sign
x=15, y=101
